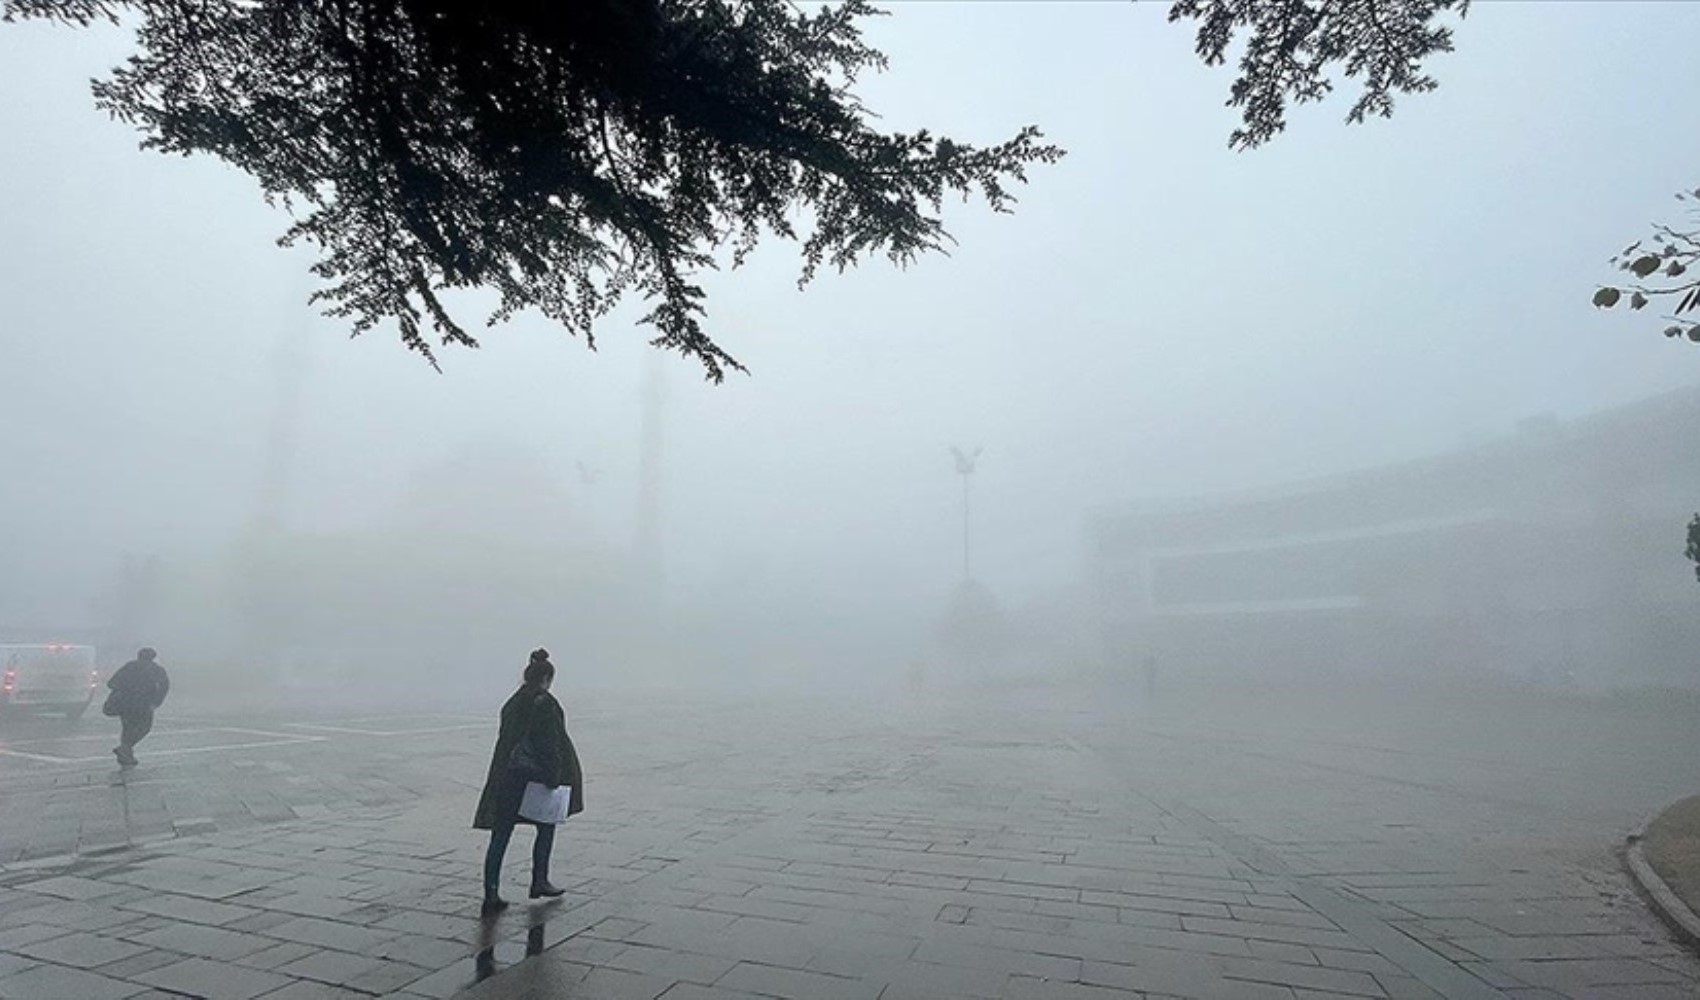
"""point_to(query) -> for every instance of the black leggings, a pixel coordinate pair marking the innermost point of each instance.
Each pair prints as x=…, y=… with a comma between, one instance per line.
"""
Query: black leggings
x=499, y=837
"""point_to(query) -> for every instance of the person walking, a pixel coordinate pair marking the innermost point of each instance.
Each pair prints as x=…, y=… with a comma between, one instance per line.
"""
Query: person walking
x=532, y=747
x=138, y=689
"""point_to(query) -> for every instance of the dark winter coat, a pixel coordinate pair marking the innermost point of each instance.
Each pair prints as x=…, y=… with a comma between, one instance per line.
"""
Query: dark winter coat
x=531, y=720
x=138, y=686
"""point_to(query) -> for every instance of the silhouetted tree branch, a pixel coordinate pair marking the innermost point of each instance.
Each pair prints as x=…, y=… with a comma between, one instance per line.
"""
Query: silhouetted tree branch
x=1292, y=47
x=563, y=155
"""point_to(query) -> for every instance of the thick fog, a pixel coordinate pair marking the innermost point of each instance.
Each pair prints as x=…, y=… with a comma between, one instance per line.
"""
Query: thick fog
x=190, y=456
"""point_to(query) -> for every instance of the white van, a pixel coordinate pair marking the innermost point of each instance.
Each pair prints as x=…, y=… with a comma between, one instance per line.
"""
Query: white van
x=50, y=678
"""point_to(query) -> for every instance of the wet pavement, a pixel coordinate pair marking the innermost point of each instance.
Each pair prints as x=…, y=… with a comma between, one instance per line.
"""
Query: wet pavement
x=1044, y=842
x=203, y=772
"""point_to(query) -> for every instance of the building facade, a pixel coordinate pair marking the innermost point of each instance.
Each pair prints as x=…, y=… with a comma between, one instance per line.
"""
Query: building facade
x=1554, y=554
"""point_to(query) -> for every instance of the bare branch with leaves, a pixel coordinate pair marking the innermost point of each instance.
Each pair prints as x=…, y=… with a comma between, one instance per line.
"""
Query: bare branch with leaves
x=1666, y=268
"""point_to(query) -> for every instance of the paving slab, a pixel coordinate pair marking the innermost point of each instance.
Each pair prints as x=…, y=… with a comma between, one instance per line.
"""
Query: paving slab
x=43, y=981
x=213, y=980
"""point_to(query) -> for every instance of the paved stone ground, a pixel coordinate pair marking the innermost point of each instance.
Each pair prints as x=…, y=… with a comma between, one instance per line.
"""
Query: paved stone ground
x=203, y=773
x=1038, y=842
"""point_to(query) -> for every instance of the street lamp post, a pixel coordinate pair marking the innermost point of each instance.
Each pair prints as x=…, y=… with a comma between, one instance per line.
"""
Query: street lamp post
x=965, y=463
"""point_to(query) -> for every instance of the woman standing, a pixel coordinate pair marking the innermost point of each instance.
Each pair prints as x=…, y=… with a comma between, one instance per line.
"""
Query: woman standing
x=532, y=746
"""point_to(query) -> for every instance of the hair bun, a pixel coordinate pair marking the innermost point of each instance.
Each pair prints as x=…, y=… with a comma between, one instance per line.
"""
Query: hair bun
x=539, y=656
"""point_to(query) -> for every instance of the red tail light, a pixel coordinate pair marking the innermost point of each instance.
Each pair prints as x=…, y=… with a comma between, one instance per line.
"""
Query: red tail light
x=7, y=681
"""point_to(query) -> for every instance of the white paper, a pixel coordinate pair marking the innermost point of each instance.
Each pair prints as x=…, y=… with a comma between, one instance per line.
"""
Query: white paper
x=542, y=804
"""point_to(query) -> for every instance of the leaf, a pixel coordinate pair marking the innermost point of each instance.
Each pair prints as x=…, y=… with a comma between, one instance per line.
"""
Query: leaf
x=1645, y=264
x=1694, y=334
x=1605, y=298
x=1637, y=300
x=1673, y=331
x=1676, y=269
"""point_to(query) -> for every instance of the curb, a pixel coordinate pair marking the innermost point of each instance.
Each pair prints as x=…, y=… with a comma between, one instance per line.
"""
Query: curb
x=1682, y=921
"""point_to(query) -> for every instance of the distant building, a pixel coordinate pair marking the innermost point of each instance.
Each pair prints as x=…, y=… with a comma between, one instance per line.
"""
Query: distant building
x=1554, y=554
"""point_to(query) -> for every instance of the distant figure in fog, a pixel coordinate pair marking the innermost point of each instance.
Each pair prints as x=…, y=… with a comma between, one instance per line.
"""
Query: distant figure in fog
x=138, y=689
x=532, y=747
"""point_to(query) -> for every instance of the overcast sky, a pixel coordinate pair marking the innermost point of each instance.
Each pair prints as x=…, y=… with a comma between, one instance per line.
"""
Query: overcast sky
x=1160, y=317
